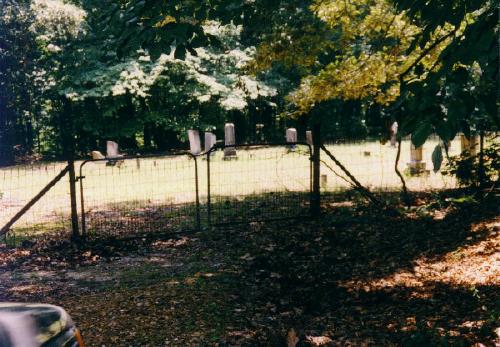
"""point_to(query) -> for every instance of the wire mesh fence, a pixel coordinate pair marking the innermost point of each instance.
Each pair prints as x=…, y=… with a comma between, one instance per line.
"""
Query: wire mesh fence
x=372, y=163
x=50, y=215
x=138, y=195
x=258, y=183
x=143, y=195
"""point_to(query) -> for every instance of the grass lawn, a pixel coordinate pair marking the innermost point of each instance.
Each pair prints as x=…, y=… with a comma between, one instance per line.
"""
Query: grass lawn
x=355, y=277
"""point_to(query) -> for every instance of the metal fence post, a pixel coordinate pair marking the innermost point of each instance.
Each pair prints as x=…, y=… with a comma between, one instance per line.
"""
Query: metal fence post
x=75, y=236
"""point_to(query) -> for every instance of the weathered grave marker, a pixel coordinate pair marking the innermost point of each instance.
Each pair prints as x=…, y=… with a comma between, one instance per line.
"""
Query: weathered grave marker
x=96, y=155
x=112, y=150
x=309, y=137
x=194, y=142
x=210, y=140
x=112, y=153
x=416, y=165
x=394, y=133
x=229, y=141
x=291, y=137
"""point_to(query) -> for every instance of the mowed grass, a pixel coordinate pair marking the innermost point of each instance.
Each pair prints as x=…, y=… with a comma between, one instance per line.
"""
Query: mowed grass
x=170, y=180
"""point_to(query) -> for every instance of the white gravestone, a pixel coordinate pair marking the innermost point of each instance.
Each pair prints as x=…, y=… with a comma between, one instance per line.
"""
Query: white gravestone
x=112, y=150
x=210, y=140
x=291, y=137
x=112, y=153
x=309, y=137
x=194, y=142
x=416, y=165
x=394, y=133
x=229, y=140
x=96, y=155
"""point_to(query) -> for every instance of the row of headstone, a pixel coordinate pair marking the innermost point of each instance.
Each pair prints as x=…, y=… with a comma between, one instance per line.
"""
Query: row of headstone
x=195, y=142
x=111, y=152
x=230, y=139
x=211, y=139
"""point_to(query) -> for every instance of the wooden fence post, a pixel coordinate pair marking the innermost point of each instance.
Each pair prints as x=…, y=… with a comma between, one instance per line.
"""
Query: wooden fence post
x=316, y=195
x=75, y=236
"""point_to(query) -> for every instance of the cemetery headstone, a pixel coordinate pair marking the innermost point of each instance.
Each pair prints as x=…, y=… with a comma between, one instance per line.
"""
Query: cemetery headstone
x=96, y=155
x=210, y=140
x=229, y=141
x=309, y=137
x=416, y=165
x=291, y=137
x=112, y=149
x=394, y=133
x=194, y=142
x=113, y=154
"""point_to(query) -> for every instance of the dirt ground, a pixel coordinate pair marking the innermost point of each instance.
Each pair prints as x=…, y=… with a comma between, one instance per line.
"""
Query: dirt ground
x=357, y=276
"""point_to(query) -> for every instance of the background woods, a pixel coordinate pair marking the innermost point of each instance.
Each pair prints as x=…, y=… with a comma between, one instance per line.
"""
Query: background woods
x=143, y=72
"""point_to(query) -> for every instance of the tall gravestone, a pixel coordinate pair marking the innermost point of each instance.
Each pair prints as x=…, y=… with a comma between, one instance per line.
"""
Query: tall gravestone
x=210, y=140
x=113, y=154
x=416, y=165
x=229, y=141
x=394, y=133
x=309, y=137
x=112, y=149
x=194, y=142
x=291, y=137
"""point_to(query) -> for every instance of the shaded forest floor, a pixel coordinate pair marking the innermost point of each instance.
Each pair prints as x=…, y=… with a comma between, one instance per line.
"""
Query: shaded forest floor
x=354, y=277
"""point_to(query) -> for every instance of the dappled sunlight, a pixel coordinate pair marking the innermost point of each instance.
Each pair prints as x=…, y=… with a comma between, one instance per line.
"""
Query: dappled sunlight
x=353, y=276
x=471, y=264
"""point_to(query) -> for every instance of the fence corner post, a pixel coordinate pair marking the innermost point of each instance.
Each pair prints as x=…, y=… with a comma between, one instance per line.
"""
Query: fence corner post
x=316, y=194
x=75, y=235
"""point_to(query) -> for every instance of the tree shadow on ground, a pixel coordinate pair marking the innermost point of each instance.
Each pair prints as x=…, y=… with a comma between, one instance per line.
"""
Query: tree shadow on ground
x=331, y=276
x=319, y=274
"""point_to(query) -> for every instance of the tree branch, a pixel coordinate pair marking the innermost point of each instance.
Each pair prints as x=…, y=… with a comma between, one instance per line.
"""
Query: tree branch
x=425, y=52
x=358, y=185
x=406, y=196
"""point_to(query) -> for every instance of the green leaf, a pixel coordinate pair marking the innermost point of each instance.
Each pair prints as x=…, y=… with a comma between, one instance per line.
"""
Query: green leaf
x=421, y=134
x=437, y=158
